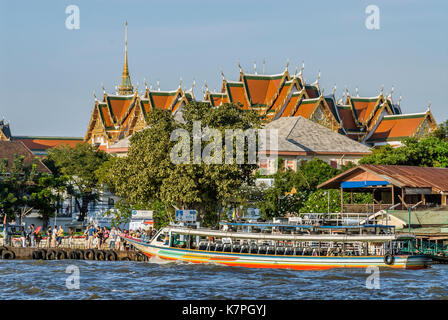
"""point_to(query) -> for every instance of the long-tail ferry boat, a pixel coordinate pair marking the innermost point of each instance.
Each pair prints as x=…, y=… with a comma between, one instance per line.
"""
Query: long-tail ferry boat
x=285, y=246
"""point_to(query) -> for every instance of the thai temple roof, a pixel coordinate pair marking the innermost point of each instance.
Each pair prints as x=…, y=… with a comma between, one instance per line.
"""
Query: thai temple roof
x=369, y=120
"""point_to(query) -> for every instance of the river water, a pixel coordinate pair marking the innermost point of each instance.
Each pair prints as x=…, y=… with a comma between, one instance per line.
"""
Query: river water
x=37, y=279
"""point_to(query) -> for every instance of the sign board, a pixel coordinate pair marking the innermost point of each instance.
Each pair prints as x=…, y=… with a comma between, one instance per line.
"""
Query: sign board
x=186, y=215
x=142, y=214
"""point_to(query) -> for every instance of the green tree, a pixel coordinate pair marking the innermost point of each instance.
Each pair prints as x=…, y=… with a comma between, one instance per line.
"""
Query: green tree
x=148, y=177
x=428, y=151
x=79, y=165
x=23, y=189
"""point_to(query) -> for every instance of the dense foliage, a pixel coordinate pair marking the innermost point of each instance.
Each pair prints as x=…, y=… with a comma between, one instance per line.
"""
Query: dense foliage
x=79, y=166
x=23, y=189
x=148, y=178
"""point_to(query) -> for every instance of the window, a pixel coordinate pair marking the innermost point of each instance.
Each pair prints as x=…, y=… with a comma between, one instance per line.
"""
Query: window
x=289, y=164
x=263, y=164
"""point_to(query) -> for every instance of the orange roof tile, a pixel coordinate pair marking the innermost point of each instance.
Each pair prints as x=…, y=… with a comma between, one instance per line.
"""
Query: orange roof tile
x=218, y=98
x=262, y=89
x=291, y=105
x=282, y=96
x=346, y=116
x=163, y=99
x=105, y=115
x=235, y=91
x=119, y=106
x=397, y=126
x=312, y=91
x=364, y=107
x=306, y=107
x=44, y=143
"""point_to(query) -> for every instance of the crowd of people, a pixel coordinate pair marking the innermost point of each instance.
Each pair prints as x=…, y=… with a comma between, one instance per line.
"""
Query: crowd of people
x=94, y=237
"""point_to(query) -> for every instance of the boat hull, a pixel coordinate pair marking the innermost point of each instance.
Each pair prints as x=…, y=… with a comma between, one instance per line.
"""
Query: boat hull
x=278, y=261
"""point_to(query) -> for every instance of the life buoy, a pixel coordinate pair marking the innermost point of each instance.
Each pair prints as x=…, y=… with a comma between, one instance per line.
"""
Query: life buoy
x=389, y=258
x=37, y=254
x=89, y=254
x=111, y=256
x=61, y=255
x=6, y=254
x=100, y=255
x=73, y=255
x=51, y=255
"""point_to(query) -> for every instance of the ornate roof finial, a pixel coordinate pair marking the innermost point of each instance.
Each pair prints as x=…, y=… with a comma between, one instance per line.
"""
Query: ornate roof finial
x=295, y=72
x=334, y=89
x=125, y=86
x=322, y=92
x=239, y=66
x=102, y=86
x=429, y=107
x=255, y=67
x=222, y=74
x=392, y=90
x=193, y=84
x=205, y=85
x=357, y=91
x=303, y=67
x=158, y=85
x=180, y=83
x=264, y=62
x=382, y=88
x=136, y=87
x=399, y=100
x=287, y=64
x=94, y=94
x=318, y=77
x=146, y=85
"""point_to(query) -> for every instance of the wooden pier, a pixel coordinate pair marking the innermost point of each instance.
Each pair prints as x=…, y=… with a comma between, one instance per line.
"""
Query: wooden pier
x=9, y=253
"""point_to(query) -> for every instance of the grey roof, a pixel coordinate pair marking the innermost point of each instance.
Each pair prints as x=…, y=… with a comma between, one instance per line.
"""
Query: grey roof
x=297, y=134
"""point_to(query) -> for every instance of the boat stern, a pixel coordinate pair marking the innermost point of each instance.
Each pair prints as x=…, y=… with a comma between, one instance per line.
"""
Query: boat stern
x=418, y=262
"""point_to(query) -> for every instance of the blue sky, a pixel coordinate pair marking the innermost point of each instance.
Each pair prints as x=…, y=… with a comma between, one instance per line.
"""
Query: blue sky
x=48, y=73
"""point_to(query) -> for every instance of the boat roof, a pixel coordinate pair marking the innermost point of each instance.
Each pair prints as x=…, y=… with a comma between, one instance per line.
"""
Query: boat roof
x=305, y=226
x=290, y=237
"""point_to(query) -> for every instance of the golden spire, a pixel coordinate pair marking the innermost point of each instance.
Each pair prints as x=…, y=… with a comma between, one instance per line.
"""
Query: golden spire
x=125, y=87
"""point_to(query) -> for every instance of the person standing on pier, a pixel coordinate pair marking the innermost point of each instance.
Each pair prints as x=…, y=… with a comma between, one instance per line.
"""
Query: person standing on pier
x=59, y=236
x=70, y=236
x=48, y=236
x=53, y=237
x=23, y=236
x=113, y=238
x=32, y=236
